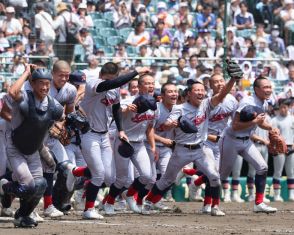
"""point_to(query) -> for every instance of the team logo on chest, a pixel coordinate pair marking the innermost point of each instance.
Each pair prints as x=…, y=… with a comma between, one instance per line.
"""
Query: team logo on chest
x=219, y=117
x=142, y=117
x=199, y=119
x=107, y=102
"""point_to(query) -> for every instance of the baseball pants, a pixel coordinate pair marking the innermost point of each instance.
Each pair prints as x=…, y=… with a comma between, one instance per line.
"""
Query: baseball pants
x=264, y=152
x=280, y=161
x=75, y=155
x=98, y=156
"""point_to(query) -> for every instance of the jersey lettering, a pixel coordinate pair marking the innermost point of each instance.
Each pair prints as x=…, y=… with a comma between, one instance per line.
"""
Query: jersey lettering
x=140, y=118
x=107, y=102
x=199, y=119
x=219, y=117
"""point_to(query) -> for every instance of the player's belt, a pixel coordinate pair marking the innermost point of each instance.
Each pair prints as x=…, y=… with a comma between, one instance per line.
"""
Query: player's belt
x=192, y=146
x=99, y=132
x=242, y=138
x=259, y=142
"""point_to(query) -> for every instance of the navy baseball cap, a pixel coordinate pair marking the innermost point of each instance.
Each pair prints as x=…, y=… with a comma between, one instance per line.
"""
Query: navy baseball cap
x=77, y=77
x=249, y=112
x=144, y=103
x=125, y=149
x=186, y=125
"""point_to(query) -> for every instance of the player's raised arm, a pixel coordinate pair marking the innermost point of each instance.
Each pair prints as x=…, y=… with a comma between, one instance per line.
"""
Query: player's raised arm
x=235, y=73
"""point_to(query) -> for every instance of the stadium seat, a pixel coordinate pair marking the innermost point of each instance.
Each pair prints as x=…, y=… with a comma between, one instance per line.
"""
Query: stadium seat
x=108, y=50
x=131, y=51
x=79, y=53
x=245, y=33
x=108, y=15
x=102, y=23
x=93, y=31
x=100, y=41
x=108, y=32
x=125, y=32
x=114, y=40
x=96, y=15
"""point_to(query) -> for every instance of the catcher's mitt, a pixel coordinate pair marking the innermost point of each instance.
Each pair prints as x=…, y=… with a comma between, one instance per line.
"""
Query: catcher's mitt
x=59, y=131
x=234, y=70
x=277, y=144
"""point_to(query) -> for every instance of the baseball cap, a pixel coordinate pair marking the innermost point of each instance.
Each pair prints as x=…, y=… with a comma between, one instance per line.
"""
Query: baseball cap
x=10, y=10
x=161, y=5
x=82, y=6
x=186, y=125
x=41, y=73
x=288, y=1
x=183, y=4
x=77, y=77
x=144, y=103
x=249, y=112
x=125, y=149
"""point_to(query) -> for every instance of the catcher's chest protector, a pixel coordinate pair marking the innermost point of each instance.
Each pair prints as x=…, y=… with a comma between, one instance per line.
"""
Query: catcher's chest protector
x=29, y=136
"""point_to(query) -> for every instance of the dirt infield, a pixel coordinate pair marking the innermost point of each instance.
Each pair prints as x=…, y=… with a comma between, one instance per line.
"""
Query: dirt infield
x=186, y=220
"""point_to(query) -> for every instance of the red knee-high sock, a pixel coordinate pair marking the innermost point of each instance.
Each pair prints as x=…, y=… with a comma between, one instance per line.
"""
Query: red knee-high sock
x=110, y=200
x=189, y=171
x=259, y=198
x=79, y=171
x=131, y=191
x=207, y=200
x=200, y=180
x=153, y=198
x=105, y=199
x=47, y=201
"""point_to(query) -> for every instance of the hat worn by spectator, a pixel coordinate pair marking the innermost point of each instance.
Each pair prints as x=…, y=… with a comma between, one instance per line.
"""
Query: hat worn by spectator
x=125, y=149
x=144, y=103
x=288, y=2
x=183, y=4
x=10, y=10
x=61, y=7
x=250, y=112
x=82, y=6
x=161, y=5
x=77, y=77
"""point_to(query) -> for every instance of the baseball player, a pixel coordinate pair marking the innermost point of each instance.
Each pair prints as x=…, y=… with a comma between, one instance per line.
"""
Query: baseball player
x=33, y=112
x=217, y=122
x=137, y=126
x=236, y=140
x=102, y=98
x=261, y=141
x=284, y=121
x=189, y=146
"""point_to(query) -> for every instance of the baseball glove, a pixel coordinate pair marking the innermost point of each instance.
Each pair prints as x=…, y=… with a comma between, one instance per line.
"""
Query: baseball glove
x=234, y=70
x=277, y=144
x=59, y=131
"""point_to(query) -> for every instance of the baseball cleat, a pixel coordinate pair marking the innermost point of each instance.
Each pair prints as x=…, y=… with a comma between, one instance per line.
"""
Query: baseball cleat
x=206, y=209
x=91, y=213
x=121, y=205
x=215, y=211
x=109, y=209
x=265, y=200
x=52, y=212
x=227, y=195
x=160, y=206
x=133, y=204
x=263, y=208
x=7, y=212
x=147, y=207
x=25, y=222
x=236, y=197
x=2, y=182
x=251, y=198
x=35, y=216
x=169, y=196
x=278, y=198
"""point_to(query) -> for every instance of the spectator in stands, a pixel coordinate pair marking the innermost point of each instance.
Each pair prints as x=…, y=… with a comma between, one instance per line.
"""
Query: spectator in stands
x=287, y=15
x=191, y=45
x=179, y=72
x=163, y=34
x=276, y=44
x=92, y=72
x=42, y=49
x=122, y=54
x=239, y=49
x=26, y=30
x=139, y=36
x=31, y=47
x=183, y=33
x=91, y=8
x=263, y=51
x=44, y=26
x=11, y=26
x=157, y=49
x=217, y=69
x=135, y=7
x=260, y=33
x=289, y=88
x=208, y=40
x=183, y=15
x=206, y=19
x=276, y=72
x=191, y=69
x=244, y=20
x=144, y=16
x=87, y=41
x=122, y=17
x=175, y=50
x=145, y=52
x=235, y=10
x=18, y=66
x=163, y=15
x=218, y=50
x=63, y=50
x=4, y=43
x=85, y=20
x=18, y=46
x=75, y=5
